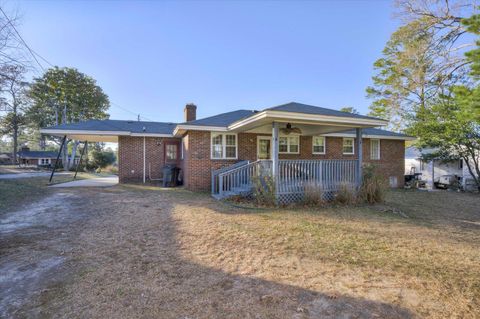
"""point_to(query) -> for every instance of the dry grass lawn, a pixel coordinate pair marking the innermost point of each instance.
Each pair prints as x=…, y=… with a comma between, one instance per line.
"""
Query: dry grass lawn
x=149, y=253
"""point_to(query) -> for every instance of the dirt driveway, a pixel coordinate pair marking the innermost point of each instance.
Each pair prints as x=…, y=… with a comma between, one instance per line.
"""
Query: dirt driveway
x=133, y=252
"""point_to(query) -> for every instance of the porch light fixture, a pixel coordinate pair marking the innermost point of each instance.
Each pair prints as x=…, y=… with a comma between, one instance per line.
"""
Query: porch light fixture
x=289, y=129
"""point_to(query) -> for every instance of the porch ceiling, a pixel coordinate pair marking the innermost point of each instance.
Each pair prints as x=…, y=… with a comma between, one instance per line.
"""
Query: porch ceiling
x=307, y=129
x=89, y=137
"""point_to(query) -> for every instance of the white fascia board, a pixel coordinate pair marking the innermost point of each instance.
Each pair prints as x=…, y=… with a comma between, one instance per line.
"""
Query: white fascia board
x=83, y=132
x=180, y=129
x=307, y=117
x=151, y=135
x=380, y=137
x=201, y=128
x=248, y=120
x=104, y=133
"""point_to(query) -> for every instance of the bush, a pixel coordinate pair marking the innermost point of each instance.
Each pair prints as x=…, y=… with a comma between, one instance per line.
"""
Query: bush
x=374, y=186
x=314, y=195
x=111, y=169
x=264, y=190
x=346, y=195
x=100, y=159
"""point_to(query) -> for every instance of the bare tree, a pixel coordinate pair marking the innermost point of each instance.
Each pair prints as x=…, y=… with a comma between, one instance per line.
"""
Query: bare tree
x=14, y=101
x=443, y=18
x=12, y=47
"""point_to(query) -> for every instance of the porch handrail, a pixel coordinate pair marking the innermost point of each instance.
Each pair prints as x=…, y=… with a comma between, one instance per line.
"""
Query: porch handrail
x=240, y=178
x=217, y=172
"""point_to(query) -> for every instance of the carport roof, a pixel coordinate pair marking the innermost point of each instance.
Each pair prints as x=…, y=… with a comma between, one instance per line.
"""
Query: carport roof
x=118, y=126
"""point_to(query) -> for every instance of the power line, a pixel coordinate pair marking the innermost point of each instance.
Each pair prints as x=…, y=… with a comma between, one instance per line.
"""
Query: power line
x=23, y=41
x=131, y=112
x=35, y=54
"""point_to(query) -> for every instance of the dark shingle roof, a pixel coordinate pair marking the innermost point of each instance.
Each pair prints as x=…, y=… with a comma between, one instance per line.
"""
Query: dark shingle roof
x=37, y=154
x=316, y=110
x=117, y=125
x=375, y=131
x=224, y=119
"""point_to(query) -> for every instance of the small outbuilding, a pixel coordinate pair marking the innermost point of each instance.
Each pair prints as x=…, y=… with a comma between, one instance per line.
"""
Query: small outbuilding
x=26, y=157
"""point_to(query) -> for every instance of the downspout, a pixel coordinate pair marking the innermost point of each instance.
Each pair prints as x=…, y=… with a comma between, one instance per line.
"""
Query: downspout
x=144, y=159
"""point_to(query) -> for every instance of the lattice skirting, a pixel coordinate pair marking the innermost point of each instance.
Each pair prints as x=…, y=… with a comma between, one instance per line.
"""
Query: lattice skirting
x=289, y=198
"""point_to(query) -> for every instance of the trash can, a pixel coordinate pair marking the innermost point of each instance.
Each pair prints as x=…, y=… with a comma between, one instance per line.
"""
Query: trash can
x=175, y=175
x=168, y=172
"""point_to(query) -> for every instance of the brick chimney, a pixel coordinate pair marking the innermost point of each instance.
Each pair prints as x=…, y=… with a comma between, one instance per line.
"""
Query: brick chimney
x=190, y=112
x=25, y=149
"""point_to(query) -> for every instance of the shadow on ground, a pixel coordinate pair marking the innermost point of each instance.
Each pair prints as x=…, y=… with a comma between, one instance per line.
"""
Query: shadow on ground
x=125, y=259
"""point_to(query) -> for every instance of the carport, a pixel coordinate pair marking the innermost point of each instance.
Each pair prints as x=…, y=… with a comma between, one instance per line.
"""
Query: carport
x=110, y=131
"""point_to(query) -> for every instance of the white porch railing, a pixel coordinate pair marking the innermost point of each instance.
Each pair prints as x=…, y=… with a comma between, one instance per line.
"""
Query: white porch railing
x=329, y=175
x=292, y=177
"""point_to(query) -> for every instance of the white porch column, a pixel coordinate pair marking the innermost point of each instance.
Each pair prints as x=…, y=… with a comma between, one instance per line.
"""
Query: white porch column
x=275, y=149
x=359, y=147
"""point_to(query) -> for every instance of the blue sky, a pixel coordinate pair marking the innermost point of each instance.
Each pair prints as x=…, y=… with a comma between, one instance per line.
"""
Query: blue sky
x=154, y=57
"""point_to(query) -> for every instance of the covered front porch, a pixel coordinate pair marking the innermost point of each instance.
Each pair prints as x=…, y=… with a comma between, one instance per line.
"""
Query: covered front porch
x=290, y=172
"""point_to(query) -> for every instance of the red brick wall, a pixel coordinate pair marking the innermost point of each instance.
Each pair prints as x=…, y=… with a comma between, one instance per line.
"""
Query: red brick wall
x=130, y=157
x=198, y=165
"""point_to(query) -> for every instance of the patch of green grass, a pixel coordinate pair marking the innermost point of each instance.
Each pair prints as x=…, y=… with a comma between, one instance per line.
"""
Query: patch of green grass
x=15, y=193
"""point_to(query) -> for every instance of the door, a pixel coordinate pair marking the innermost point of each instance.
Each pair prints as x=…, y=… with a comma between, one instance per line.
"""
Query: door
x=264, y=147
x=172, y=153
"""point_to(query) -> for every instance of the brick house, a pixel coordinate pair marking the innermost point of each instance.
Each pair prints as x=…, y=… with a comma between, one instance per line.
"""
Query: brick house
x=26, y=157
x=294, y=141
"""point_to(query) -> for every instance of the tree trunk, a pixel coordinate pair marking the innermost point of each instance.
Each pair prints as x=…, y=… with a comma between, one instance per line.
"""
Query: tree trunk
x=15, y=132
x=74, y=153
x=476, y=179
x=15, y=145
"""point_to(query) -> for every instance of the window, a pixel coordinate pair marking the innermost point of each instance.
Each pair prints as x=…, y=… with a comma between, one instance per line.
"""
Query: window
x=319, y=145
x=171, y=150
x=223, y=146
x=182, y=150
x=289, y=144
x=375, y=149
x=348, y=147
x=44, y=161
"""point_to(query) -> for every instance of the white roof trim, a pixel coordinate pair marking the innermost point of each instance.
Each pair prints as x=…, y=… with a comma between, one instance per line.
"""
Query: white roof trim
x=181, y=128
x=104, y=133
x=151, y=135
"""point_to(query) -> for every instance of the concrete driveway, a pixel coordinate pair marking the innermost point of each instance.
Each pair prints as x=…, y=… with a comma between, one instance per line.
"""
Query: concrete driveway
x=92, y=182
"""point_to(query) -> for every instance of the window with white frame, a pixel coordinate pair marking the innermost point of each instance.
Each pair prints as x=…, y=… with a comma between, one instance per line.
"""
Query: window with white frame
x=44, y=161
x=348, y=145
x=223, y=146
x=182, y=149
x=375, y=149
x=171, y=150
x=289, y=144
x=318, y=145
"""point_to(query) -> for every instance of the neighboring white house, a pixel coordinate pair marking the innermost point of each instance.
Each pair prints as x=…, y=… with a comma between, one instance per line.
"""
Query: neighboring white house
x=432, y=170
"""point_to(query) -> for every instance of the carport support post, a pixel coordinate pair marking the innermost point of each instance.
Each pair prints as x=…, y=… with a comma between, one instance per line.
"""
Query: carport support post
x=80, y=161
x=58, y=157
x=359, y=147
